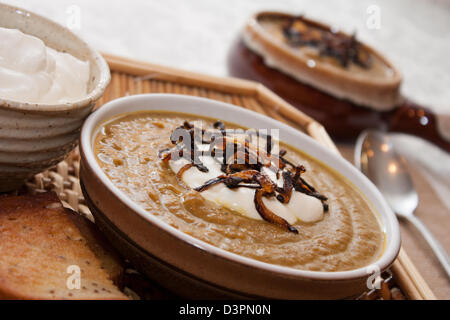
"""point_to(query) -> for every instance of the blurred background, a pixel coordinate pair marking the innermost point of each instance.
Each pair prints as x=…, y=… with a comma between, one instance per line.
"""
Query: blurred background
x=196, y=35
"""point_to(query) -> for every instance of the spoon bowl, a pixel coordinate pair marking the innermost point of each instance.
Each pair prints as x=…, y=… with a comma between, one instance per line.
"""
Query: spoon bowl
x=376, y=157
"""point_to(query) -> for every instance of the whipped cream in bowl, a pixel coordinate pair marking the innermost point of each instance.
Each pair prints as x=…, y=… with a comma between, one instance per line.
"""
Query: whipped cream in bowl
x=50, y=80
x=34, y=73
x=46, y=67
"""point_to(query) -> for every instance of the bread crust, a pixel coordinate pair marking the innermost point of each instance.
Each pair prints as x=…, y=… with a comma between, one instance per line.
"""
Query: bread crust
x=39, y=240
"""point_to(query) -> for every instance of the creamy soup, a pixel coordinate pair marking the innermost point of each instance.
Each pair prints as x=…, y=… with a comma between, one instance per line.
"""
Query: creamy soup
x=333, y=228
x=375, y=67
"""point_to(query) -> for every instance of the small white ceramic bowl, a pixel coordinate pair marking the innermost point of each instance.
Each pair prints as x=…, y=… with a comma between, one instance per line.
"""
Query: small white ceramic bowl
x=33, y=137
x=188, y=265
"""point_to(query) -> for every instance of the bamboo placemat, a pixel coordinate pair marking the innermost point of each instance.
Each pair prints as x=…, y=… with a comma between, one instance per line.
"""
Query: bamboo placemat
x=130, y=77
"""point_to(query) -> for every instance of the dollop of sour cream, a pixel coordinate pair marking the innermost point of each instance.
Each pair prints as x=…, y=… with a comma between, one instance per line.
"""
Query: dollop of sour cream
x=34, y=73
x=241, y=200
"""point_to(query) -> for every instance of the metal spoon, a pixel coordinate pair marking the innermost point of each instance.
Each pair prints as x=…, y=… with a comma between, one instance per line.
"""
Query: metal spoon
x=377, y=159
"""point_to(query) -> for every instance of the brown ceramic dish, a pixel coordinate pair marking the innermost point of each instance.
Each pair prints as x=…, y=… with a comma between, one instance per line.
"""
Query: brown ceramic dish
x=325, y=216
x=346, y=99
x=179, y=260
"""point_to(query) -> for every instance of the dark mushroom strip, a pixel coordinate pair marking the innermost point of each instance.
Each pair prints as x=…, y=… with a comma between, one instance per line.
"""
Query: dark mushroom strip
x=191, y=153
x=298, y=33
x=267, y=185
x=265, y=188
x=166, y=154
x=256, y=160
x=305, y=187
x=219, y=125
x=285, y=193
x=284, y=161
x=181, y=172
x=250, y=162
x=210, y=183
x=200, y=166
x=302, y=186
x=245, y=185
x=183, y=169
x=231, y=180
x=299, y=170
x=268, y=215
x=230, y=164
x=247, y=176
x=343, y=48
x=187, y=125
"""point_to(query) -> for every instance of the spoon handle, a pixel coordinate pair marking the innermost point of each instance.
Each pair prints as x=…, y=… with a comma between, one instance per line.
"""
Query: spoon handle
x=439, y=251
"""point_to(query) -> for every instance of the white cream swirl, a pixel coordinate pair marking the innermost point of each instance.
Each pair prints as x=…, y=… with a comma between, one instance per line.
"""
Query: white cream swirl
x=34, y=73
x=241, y=200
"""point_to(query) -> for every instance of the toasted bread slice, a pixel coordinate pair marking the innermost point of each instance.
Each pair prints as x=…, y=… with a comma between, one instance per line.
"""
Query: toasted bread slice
x=110, y=260
x=41, y=249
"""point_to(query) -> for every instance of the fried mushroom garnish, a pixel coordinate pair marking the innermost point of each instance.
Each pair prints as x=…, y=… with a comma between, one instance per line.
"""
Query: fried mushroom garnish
x=243, y=168
x=268, y=215
x=345, y=49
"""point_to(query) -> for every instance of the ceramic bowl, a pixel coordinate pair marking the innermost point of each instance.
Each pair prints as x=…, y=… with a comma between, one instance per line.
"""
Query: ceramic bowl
x=192, y=267
x=34, y=137
x=344, y=102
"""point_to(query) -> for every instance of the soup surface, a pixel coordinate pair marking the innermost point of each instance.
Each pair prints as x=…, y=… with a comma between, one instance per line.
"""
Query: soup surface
x=376, y=69
x=348, y=236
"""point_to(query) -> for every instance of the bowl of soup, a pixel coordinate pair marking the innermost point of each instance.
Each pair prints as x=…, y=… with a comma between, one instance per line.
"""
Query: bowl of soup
x=212, y=200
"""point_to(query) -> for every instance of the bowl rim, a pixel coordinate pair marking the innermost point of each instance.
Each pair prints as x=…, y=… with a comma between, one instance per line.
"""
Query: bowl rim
x=93, y=95
x=91, y=125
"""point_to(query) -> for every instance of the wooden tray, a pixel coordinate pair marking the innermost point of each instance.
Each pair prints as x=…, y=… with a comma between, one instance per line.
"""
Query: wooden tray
x=133, y=77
